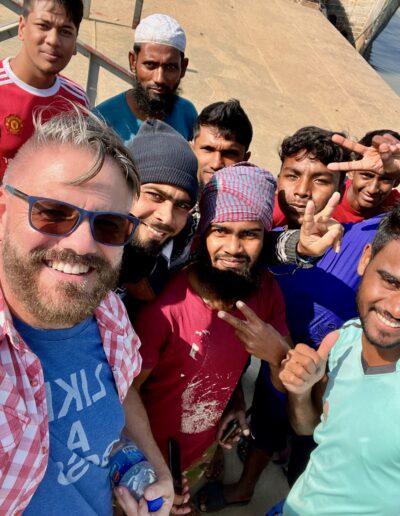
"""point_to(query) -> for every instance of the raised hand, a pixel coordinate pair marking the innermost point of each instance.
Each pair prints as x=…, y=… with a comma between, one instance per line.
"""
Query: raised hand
x=258, y=337
x=304, y=367
x=383, y=157
x=319, y=231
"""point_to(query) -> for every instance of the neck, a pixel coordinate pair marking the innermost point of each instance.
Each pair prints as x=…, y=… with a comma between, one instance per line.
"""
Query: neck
x=209, y=297
x=376, y=356
x=26, y=73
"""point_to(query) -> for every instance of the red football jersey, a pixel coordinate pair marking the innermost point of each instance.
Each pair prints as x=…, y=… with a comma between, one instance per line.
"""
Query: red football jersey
x=19, y=102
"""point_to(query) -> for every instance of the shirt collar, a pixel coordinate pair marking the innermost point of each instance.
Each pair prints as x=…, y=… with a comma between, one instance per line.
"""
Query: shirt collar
x=166, y=251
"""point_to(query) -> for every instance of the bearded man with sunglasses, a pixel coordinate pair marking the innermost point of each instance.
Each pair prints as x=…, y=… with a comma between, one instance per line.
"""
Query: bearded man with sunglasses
x=68, y=353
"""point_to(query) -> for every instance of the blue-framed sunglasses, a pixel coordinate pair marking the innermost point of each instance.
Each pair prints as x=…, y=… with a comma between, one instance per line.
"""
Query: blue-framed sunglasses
x=57, y=218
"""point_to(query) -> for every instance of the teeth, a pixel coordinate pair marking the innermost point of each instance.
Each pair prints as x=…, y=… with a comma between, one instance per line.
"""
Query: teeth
x=68, y=268
x=392, y=324
x=158, y=233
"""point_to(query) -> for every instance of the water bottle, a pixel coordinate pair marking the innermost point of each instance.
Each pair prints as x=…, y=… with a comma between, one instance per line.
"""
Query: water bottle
x=130, y=468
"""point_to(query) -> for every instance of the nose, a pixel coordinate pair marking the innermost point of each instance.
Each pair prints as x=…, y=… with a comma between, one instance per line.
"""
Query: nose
x=165, y=213
x=216, y=161
x=303, y=188
x=159, y=75
x=52, y=37
x=233, y=245
x=392, y=305
x=373, y=186
x=81, y=240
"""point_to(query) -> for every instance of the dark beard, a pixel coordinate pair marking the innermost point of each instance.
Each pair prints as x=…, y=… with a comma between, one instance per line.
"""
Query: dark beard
x=145, y=249
x=228, y=286
x=159, y=107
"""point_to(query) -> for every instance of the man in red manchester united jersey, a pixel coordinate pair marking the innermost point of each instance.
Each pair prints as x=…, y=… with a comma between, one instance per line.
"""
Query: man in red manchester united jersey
x=30, y=81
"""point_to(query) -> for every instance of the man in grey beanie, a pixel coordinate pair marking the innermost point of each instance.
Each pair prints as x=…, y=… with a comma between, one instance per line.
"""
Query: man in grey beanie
x=167, y=169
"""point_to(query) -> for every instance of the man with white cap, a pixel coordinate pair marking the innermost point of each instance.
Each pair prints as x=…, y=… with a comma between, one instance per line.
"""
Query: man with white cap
x=158, y=64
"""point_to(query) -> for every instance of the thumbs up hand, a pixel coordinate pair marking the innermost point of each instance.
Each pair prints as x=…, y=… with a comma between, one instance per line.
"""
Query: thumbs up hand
x=303, y=366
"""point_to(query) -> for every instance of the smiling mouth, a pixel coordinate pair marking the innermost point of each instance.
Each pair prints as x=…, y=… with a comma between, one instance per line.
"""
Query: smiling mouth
x=69, y=268
x=392, y=323
x=155, y=232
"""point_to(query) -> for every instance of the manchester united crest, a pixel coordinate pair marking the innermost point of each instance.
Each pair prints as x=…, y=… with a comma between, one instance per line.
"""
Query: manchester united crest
x=13, y=124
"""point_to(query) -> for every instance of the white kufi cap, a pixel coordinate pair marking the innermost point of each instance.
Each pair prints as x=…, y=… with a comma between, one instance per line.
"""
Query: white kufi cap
x=160, y=28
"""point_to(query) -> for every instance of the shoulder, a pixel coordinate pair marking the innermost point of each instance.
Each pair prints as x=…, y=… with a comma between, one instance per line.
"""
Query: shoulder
x=107, y=107
x=5, y=79
x=73, y=91
x=349, y=339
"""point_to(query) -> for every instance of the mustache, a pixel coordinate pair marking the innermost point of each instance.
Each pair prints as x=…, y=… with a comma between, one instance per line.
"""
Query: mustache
x=94, y=261
x=160, y=227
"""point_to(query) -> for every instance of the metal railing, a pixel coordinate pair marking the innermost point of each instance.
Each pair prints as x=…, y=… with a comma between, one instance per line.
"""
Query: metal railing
x=97, y=60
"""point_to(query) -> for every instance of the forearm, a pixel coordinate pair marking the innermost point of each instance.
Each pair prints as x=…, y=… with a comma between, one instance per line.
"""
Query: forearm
x=303, y=414
x=137, y=428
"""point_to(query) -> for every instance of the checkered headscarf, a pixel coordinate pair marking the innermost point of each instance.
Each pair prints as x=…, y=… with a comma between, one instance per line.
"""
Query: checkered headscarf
x=240, y=192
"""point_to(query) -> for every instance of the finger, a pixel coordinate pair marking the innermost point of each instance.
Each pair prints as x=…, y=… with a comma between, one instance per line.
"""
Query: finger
x=243, y=425
x=327, y=344
x=310, y=365
x=302, y=371
x=308, y=219
x=388, y=138
x=334, y=232
x=126, y=501
x=237, y=323
x=247, y=312
x=331, y=238
x=349, y=144
x=330, y=206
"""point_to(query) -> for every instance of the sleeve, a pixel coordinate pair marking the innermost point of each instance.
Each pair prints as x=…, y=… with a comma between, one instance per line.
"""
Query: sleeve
x=153, y=324
x=280, y=248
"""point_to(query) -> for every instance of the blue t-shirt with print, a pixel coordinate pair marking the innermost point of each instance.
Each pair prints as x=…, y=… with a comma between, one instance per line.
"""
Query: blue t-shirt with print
x=85, y=419
x=118, y=115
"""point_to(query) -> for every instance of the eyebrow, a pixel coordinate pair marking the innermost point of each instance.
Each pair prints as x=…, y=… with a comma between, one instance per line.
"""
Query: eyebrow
x=326, y=173
x=167, y=196
x=256, y=229
x=388, y=277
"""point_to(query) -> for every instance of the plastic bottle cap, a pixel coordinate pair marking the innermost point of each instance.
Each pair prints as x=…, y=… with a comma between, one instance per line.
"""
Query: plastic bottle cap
x=154, y=505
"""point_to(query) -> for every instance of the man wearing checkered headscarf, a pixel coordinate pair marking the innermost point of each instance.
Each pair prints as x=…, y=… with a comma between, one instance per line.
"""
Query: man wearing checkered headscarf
x=185, y=329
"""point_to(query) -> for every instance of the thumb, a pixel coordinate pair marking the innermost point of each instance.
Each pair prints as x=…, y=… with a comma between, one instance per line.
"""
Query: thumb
x=243, y=423
x=327, y=344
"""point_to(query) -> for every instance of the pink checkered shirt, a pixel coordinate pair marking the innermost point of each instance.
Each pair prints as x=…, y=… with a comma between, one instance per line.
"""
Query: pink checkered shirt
x=24, y=432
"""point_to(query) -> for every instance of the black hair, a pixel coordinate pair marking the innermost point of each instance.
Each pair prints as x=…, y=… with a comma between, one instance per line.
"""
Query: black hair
x=230, y=120
x=388, y=230
x=137, y=47
x=317, y=143
x=367, y=138
x=73, y=8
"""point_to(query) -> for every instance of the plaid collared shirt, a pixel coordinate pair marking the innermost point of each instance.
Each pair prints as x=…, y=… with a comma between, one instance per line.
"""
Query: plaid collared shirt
x=24, y=431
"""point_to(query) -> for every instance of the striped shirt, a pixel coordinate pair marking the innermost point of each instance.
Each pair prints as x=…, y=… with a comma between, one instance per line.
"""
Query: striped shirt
x=19, y=102
x=24, y=431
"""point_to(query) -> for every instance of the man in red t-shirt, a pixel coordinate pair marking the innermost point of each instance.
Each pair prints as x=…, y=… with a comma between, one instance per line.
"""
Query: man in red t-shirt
x=192, y=359
x=367, y=193
x=30, y=81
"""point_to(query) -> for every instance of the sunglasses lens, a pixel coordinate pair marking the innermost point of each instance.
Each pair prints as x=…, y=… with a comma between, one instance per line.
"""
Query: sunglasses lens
x=112, y=229
x=53, y=218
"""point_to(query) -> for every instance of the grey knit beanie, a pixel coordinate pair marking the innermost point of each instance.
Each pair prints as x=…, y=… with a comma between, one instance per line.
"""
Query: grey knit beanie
x=162, y=155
